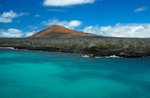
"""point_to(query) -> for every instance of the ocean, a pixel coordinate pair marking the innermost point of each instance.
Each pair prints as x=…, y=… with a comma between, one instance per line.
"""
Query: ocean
x=35, y=74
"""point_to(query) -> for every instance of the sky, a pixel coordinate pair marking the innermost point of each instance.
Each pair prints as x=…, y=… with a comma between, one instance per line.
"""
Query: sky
x=116, y=18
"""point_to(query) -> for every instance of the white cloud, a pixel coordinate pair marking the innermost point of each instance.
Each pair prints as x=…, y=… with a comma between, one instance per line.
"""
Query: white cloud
x=15, y=33
x=11, y=33
x=7, y=17
x=121, y=30
x=74, y=23
x=66, y=2
x=140, y=9
x=68, y=24
x=29, y=33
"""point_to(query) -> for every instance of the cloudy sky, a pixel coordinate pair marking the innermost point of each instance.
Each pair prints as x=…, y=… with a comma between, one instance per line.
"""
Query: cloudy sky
x=119, y=18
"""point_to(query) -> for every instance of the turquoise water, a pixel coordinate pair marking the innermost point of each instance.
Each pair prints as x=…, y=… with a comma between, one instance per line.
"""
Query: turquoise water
x=30, y=74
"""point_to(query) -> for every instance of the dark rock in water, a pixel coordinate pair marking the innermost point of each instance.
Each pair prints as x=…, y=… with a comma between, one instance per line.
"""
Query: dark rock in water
x=132, y=55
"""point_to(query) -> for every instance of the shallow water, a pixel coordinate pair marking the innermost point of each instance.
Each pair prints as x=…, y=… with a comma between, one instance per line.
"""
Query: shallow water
x=30, y=74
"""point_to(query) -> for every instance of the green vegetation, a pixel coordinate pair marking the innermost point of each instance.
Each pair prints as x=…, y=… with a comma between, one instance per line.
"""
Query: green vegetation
x=101, y=46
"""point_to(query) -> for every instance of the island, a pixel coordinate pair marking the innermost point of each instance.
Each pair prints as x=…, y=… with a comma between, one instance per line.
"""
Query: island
x=57, y=38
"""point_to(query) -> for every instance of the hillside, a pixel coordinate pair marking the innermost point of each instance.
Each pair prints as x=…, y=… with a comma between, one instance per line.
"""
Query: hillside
x=57, y=31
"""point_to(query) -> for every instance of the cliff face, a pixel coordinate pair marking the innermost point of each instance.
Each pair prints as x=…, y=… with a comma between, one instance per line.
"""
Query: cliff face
x=57, y=31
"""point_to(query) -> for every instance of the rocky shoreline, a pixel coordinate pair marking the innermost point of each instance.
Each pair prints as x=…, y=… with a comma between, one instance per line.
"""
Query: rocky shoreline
x=89, y=46
x=86, y=53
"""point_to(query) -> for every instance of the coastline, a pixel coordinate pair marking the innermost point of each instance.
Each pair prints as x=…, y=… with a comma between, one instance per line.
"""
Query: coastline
x=84, y=54
x=90, y=46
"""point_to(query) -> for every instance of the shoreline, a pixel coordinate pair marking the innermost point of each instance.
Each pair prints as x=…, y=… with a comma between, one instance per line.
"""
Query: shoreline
x=90, y=46
x=84, y=54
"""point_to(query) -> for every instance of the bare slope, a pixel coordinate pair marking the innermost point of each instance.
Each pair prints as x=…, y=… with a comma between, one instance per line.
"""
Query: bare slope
x=57, y=31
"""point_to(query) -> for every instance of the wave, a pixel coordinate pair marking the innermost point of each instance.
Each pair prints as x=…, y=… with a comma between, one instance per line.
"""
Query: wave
x=12, y=48
x=111, y=56
x=85, y=56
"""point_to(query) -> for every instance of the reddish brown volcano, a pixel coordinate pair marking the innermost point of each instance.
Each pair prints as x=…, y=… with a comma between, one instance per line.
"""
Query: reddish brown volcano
x=57, y=31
